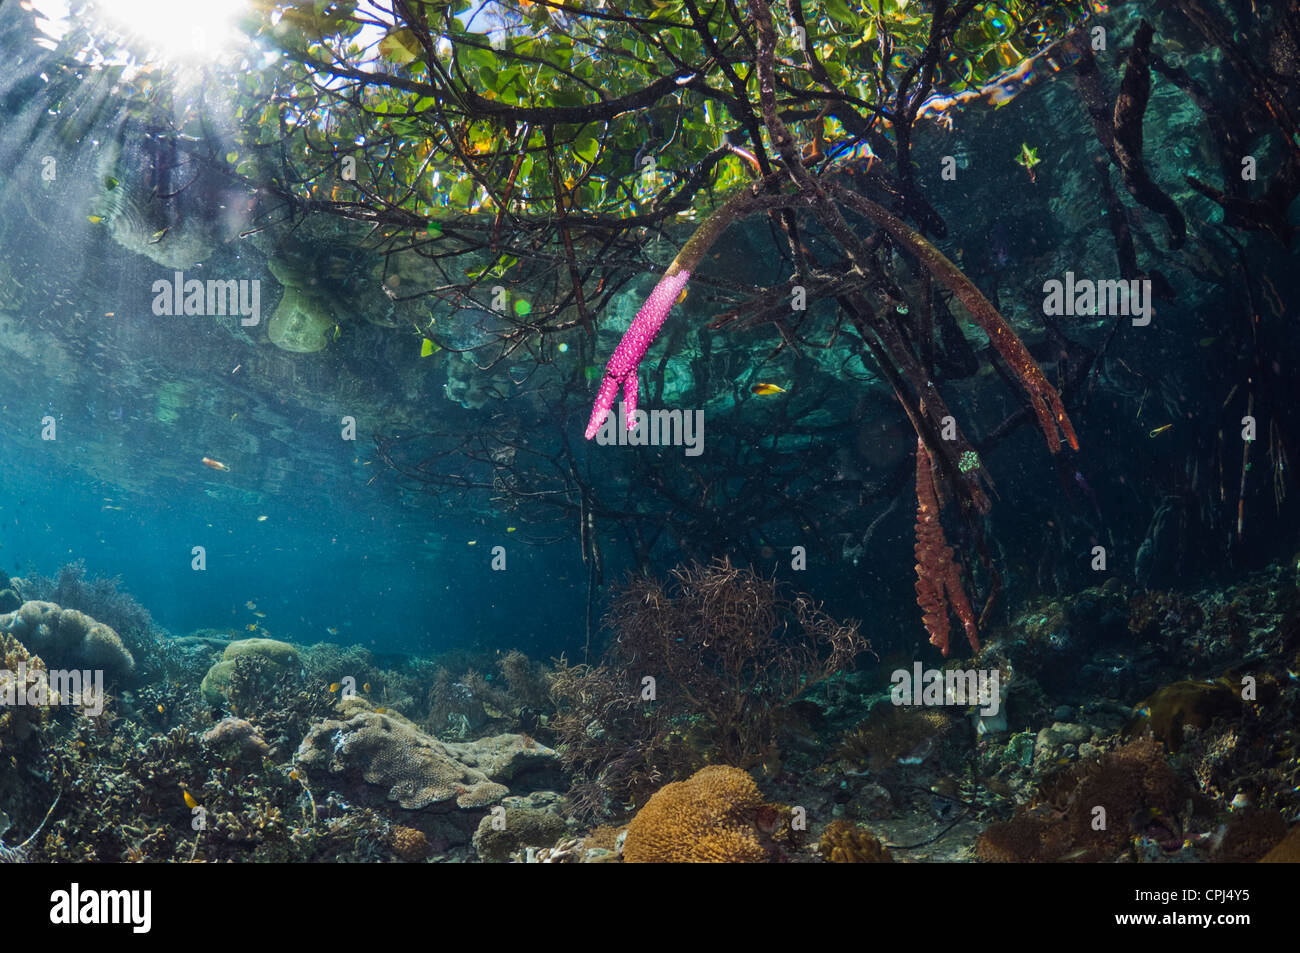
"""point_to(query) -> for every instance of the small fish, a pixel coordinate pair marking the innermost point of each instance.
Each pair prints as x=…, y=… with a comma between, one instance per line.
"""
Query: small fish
x=234, y=415
x=334, y=687
x=293, y=775
x=189, y=799
x=381, y=711
x=94, y=219
x=472, y=542
x=427, y=347
x=1159, y=430
x=260, y=615
x=366, y=688
x=331, y=630
x=251, y=627
x=161, y=710
x=510, y=529
x=214, y=464
x=766, y=390
x=250, y=604
x=262, y=519
x=237, y=367
x=682, y=297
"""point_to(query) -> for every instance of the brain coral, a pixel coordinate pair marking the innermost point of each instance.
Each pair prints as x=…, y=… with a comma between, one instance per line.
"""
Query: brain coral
x=68, y=638
x=708, y=818
x=387, y=750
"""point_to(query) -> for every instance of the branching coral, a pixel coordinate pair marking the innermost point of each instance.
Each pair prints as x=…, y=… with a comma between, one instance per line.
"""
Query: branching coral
x=726, y=644
x=726, y=651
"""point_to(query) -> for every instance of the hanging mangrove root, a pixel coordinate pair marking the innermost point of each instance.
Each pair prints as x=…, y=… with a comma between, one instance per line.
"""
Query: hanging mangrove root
x=938, y=579
x=621, y=370
x=1130, y=107
x=1044, y=399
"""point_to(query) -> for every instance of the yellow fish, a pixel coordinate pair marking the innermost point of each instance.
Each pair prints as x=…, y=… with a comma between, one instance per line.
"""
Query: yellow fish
x=366, y=688
x=293, y=775
x=472, y=542
x=380, y=711
x=1159, y=430
x=161, y=710
x=251, y=627
x=189, y=799
x=334, y=687
x=510, y=529
x=261, y=519
x=766, y=390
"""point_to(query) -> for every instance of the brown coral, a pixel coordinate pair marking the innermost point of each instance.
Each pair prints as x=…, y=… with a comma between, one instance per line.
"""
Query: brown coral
x=1138, y=792
x=409, y=844
x=1287, y=852
x=891, y=732
x=843, y=843
x=18, y=721
x=708, y=818
x=1191, y=703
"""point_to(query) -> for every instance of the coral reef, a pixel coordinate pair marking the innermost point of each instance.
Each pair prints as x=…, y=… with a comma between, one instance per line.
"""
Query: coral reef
x=515, y=826
x=410, y=844
x=727, y=651
x=279, y=658
x=236, y=738
x=18, y=722
x=66, y=638
x=892, y=733
x=1095, y=811
x=102, y=599
x=712, y=817
x=389, y=752
x=1185, y=704
x=843, y=843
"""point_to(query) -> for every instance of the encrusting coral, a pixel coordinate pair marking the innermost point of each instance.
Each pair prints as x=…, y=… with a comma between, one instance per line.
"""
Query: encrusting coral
x=385, y=749
x=68, y=638
x=712, y=817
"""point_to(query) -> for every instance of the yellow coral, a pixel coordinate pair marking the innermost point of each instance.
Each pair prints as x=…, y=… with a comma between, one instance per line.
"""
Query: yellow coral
x=410, y=844
x=842, y=843
x=708, y=818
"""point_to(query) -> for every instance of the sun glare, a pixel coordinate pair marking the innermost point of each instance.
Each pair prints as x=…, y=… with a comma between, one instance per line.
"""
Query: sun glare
x=181, y=31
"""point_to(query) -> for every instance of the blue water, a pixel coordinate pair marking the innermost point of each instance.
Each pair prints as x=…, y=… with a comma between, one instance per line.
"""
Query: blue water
x=383, y=576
